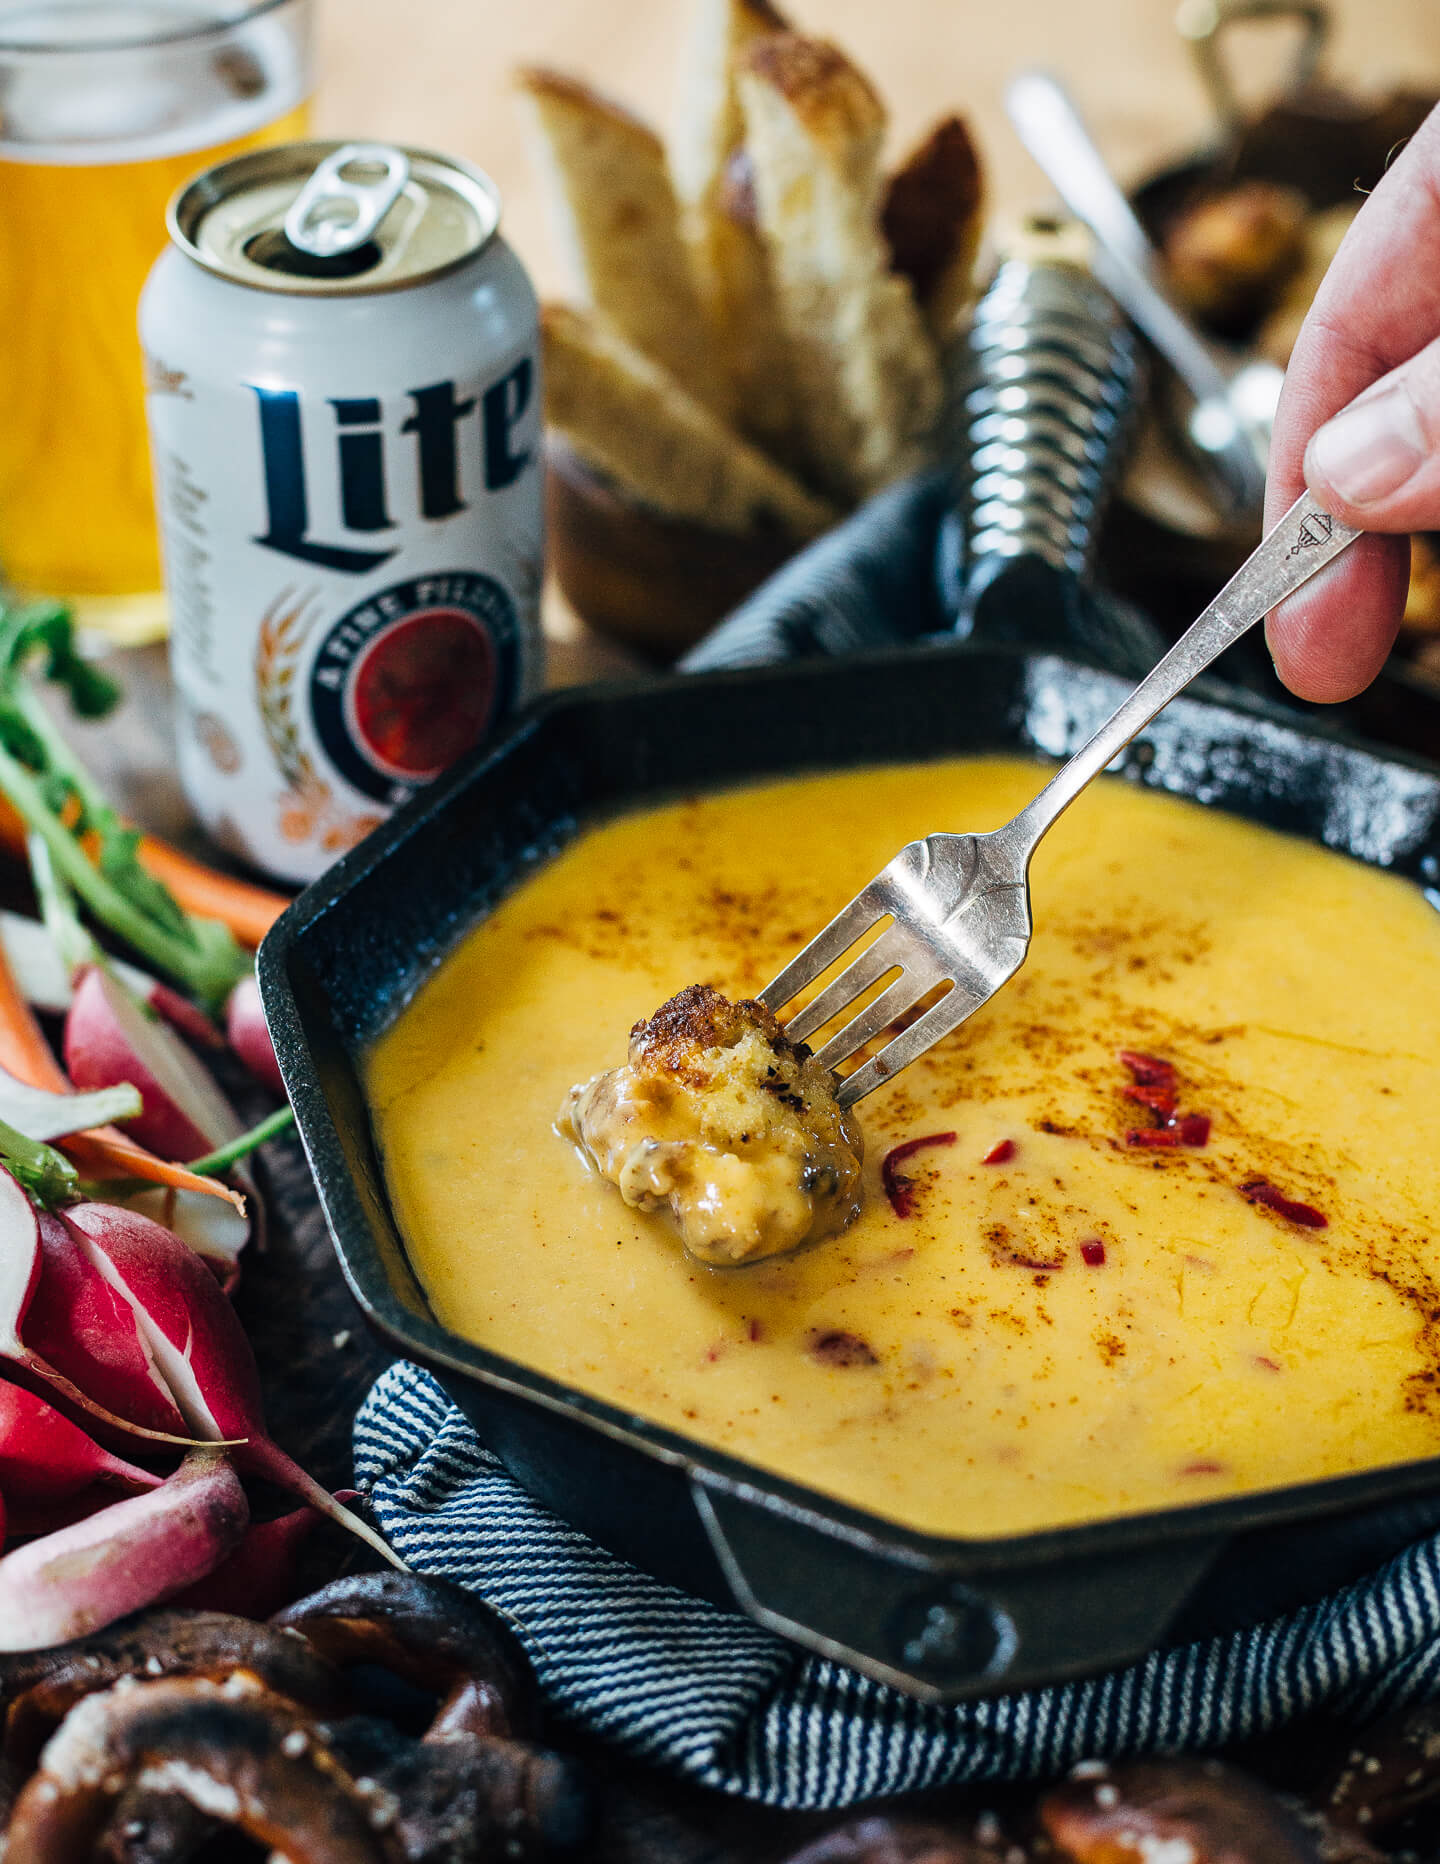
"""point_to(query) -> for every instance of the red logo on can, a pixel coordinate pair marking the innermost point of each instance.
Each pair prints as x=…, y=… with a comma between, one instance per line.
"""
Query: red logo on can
x=412, y=679
x=422, y=693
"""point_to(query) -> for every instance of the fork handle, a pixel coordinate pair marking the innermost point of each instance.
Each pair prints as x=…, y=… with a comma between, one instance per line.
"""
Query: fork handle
x=1304, y=541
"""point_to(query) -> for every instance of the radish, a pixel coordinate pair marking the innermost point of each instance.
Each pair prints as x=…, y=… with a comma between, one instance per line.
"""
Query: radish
x=198, y=1346
x=209, y=1226
x=182, y=1015
x=43, y=975
x=46, y=1458
x=22, y=1292
x=129, y=1555
x=262, y=1575
x=77, y=1323
x=249, y=1035
x=110, y=1037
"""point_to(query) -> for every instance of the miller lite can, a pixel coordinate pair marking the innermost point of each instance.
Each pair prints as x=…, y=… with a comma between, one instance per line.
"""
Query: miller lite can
x=343, y=389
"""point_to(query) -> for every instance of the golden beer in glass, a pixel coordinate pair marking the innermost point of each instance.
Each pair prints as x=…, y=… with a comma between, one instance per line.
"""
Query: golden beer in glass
x=105, y=108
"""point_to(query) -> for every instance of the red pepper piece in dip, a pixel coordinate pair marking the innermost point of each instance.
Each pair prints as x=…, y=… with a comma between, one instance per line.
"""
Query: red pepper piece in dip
x=898, y=1188
x=1148, y=1070
x=1261, y=1191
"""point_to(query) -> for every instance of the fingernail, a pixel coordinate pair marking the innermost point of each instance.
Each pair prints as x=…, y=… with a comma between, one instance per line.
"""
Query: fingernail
x=1368, y=450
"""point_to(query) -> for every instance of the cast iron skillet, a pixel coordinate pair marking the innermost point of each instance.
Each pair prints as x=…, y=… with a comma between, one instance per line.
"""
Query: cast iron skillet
x=941, y=1618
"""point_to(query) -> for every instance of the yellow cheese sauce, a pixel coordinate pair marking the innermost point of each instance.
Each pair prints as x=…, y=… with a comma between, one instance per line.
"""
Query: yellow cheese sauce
x=1084, y=1328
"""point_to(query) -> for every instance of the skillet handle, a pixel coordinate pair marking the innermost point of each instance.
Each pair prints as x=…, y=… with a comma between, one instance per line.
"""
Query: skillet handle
x=938, y=1634
x=1047, y=383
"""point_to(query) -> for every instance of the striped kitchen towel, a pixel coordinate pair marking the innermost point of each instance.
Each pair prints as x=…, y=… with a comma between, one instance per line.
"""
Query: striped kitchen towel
x=678, y=1682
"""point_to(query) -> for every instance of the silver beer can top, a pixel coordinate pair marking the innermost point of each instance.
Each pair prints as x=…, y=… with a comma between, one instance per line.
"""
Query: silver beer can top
x=333, y=219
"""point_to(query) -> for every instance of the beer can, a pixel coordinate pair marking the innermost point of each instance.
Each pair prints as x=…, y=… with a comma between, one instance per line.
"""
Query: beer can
x=343, y=391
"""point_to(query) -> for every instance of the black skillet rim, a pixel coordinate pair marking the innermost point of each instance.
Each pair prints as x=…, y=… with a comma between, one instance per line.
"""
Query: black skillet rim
x=362, y=1257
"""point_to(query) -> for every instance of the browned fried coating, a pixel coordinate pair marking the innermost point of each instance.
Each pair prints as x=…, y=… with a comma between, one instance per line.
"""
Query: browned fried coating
x=718, y=1117
x=697, y=1018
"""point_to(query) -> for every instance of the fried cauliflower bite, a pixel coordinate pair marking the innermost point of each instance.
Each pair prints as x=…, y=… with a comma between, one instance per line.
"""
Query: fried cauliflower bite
x=736, y=1129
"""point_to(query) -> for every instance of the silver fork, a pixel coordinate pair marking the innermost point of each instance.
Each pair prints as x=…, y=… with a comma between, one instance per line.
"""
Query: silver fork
x=960, y=904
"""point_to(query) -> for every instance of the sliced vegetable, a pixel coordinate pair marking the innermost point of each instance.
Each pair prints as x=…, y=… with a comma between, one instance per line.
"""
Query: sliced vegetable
x=106, y=1153
x=261, y=1575
x=39, y=1114
x=247, y=910
x=208, y=1225
x=44, y=980
x=225, y=1158
x=110, y=1038
x=91, y=850
x=127, y=1556
x=198, y=1345
x=46, y=1458
x=249, y=1035
x=102, y=1152
x=85, y=1339
x=47, y=1175
x=22, y=1293
x=24, y=1052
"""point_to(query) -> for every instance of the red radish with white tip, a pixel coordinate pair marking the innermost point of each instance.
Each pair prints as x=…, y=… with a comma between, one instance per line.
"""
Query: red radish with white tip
x=249, y=1035
x=77, y=1323
x=198, y=1346
x=263, y=1573
x=129, y=1555
x=110, y=1037
x=46, y=1458
x=22, y=1262
x=181, y=1014
x=213, y=1229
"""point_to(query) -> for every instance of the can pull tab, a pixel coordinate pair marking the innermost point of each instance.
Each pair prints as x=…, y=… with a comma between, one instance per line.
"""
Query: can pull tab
x=334, y=214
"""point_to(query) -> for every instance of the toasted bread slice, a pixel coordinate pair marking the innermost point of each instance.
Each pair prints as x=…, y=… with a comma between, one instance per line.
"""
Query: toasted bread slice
x=866, y=370
x=635, y=424
x=731, y=263
x=618, y=214
x=711, y=125
x=933, y=212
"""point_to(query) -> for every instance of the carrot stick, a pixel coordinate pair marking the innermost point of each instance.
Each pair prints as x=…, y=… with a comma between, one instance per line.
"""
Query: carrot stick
x=248, y=910
x=103, y=1151
x=24, y=1052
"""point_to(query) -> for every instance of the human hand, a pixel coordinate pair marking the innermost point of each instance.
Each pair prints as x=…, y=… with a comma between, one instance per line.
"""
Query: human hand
x=1372, y=338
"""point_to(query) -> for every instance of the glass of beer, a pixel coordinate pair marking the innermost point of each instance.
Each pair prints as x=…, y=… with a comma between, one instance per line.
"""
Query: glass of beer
x=105, y=108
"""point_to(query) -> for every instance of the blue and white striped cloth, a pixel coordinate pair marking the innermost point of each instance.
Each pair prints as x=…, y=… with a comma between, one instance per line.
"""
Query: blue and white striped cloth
x=709, y=1695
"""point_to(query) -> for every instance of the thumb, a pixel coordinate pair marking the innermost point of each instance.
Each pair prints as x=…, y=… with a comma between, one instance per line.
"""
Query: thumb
x=1376, y=463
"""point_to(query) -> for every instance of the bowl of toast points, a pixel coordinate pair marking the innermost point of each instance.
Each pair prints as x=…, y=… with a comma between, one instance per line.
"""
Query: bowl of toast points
x=756, y=344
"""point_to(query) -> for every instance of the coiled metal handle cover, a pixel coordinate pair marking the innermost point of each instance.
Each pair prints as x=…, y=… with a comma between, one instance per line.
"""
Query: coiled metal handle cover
x=1046, y=388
